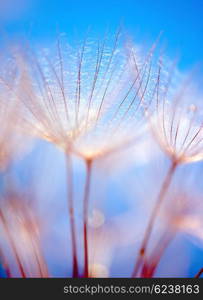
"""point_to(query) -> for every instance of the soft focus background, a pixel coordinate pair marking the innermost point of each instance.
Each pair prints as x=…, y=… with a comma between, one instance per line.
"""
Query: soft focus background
x=122, y=204
x=181, y=21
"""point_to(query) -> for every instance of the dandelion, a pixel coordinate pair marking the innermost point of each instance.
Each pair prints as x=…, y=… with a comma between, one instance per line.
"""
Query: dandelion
x=179, y=208
x=176, y=125
x=90, y=104
x=199, y=273
x=21, y=229
x=5, y=265
x=11, y=143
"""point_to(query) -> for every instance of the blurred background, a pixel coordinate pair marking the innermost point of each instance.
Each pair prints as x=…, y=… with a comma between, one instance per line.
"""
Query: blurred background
x=121, y=206
x=180, y=21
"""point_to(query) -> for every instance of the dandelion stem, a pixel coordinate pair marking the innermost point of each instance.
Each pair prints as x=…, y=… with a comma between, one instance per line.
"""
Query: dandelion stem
x=42, y=267
x=149, y=267
x=69, y=168
x=37, y=260
x=13, y=246
x=5, y=265
x=163, y=190
x=199, y=273
x=85, y=215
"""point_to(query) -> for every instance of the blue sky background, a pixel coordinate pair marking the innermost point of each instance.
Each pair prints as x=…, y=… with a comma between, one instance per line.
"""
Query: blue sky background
x=181, y=21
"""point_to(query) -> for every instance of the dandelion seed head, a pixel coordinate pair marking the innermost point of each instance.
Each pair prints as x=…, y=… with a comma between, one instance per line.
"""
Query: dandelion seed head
x=177, y=120
x=90, y=99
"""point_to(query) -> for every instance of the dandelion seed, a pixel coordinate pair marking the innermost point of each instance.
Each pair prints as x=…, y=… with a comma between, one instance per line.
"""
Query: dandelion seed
x=21, y=229
x=177, y=127
x=91, y=103
x=11, y=142
x=178, y=208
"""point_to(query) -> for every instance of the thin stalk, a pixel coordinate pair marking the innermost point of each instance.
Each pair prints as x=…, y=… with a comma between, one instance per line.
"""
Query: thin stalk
x=69, y=168
x=163, y=190
x=37, y=260
x=42, y=267
x=149, y=267
x=199, y=273
x=85, y=215
x=5, y=265
x=43, y=264
x=13, y=246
